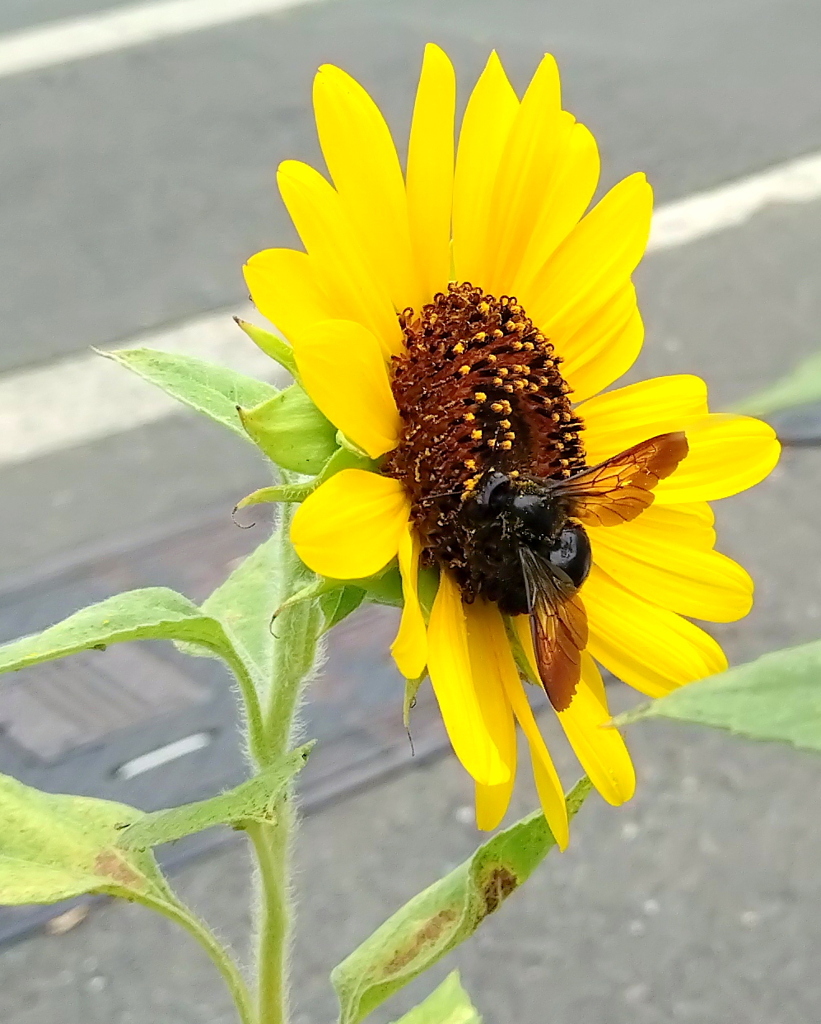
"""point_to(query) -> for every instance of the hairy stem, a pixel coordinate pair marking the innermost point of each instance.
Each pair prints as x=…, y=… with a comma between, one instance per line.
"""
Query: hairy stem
x=295, y=646
x=216, y=951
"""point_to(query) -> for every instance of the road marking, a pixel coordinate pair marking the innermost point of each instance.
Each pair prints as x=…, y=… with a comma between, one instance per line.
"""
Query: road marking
x=164, y=755
x=727, y=206
x=76, y=38
x=84, y=398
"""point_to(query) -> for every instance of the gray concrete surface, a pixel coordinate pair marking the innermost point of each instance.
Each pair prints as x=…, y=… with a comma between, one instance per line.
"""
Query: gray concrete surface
x=136, y=183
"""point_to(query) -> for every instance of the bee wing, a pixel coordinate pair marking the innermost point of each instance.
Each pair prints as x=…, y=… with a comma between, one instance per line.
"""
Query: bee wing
x=617, y=490
x=559, y=625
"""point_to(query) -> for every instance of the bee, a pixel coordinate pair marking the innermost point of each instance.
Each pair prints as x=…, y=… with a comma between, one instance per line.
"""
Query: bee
x=530, y=552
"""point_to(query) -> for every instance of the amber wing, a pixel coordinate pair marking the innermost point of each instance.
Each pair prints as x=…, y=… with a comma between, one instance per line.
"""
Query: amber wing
x=617, y=490
x=559, y=626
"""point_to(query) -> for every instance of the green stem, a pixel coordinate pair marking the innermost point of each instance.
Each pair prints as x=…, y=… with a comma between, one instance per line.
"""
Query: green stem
x=296, y=631
x=218, y=954
x=271, y=844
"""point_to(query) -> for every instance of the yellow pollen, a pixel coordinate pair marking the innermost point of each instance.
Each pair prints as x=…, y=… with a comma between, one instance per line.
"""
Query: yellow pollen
x=469, y=417
x=514, y=473
x=497, y=381
x=464, y=370
x=480, y=396
x=491, y=442
x=491, y=357
x=476, y=434
x=497, y=407
x=483, y=307
x=510, y=435
x=480, y=336
x=470, y=463
x=458, y=348
x=498, y=333
x=503, y=371
x=506, y=445
x=504, y=424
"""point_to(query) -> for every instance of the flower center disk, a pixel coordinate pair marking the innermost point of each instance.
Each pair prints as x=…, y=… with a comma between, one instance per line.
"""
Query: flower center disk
x=479, y=390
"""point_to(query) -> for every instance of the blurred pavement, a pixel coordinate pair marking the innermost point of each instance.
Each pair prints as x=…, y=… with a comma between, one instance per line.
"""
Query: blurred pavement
x=136, y=183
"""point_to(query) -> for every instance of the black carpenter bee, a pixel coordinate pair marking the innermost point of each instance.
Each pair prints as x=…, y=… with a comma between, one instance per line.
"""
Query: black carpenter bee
x=530, y=552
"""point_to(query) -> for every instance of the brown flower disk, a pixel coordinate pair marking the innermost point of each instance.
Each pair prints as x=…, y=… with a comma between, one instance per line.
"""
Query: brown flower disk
x=478, y=388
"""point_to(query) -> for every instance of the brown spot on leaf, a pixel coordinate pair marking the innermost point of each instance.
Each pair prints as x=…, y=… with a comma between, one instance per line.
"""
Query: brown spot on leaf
x=496, y=888
x=111, y=865
x=425, y=936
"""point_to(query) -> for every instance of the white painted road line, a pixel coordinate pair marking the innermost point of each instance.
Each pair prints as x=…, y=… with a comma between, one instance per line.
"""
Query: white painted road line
x=73, y=39
x=84, y=397
x=730, y=205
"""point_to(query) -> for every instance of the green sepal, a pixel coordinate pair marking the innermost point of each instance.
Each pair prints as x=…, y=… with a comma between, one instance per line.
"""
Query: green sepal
x=281, y=492
x=344, y=458
x=339, y=603
x=444, y=915
x=775, y=697
x=54, y=847
x=213, y=390
x=448, y=1004
x=291, y=431
x=253, y=800
x=272, y=345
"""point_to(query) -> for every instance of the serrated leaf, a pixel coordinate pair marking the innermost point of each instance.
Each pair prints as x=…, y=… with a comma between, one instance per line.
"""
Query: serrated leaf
x=448, y=1004
x=338, y=604
x=253, y=800
x=213, y=390
x=271, y=344
x=54, y=847
x=155, y=613
x=775, y=697
x=291, y=431
x=444, y=915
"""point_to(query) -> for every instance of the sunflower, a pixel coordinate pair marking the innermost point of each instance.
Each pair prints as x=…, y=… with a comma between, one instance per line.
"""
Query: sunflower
x=458, y=323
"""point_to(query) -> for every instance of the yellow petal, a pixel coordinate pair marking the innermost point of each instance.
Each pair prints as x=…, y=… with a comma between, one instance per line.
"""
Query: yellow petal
x=619, y=419
x=361, y=157
x=344, y=276
x=488, y=118
x=343, y=370
x=410, y=648
x=648, y=647
x=430, y=170
x=600, y=749
x=605, y=347
x=727, y=454
x=594, y=262
x=285, y=288
x=525, y=168
x=548, y=783
x=566, y=195
x=476, y=717
x=350, y=526
x=672, y=567
x=492, y=803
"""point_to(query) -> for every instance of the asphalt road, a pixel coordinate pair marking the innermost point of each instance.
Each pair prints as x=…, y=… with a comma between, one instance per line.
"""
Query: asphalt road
x=135, y=184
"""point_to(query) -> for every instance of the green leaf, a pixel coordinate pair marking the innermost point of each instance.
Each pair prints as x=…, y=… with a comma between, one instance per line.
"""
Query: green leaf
x=291, y=431
x=444, y=915
x=155, y=613
x=245, y=604
x=338, y=604
x=53, y=847
x=210, y=389
x=776, y=697
x=272, y=345
x=801, y=385
x=253, y=800
x=448, y=1004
